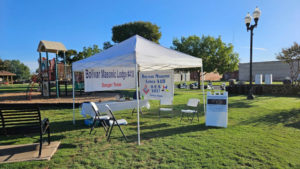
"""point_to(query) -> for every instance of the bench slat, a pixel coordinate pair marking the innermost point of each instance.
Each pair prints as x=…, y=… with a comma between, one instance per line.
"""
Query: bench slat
x=18, y=114
x=21, y=120
x=18, y=124
x=21, y=117
x=18, y=111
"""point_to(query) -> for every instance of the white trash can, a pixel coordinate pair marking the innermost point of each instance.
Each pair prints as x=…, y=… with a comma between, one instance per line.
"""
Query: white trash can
x=258, y=79
x=268, y=79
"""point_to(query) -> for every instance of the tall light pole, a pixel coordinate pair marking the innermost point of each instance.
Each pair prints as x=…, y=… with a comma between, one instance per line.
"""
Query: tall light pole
x=256, y=15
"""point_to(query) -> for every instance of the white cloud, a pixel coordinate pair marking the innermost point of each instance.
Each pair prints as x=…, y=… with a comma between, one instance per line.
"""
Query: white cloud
x=262, y=49
x=255, y=48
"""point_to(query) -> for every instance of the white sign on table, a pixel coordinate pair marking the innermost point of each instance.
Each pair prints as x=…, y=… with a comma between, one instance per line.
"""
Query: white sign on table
x=156, y=85
x=111, y=78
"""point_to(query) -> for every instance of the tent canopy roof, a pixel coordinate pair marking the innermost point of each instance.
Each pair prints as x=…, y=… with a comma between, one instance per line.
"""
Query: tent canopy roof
x=50, y=46
x=147, y=54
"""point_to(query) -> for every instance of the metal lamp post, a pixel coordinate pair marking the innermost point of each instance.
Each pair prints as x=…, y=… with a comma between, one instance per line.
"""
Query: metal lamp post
x=256, y=15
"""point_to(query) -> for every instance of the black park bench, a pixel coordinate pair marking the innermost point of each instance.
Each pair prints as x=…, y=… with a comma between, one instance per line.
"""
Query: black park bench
x=24, y=121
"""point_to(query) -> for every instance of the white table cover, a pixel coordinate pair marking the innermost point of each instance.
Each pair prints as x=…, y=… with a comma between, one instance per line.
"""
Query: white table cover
x=86, y=108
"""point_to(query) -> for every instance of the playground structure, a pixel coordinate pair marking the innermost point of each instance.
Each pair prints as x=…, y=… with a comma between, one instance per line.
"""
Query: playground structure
x=52, y=72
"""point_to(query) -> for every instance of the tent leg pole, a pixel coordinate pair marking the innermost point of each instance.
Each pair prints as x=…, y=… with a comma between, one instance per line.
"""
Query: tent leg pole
x=204, y=106
x=138, y=104
x=73, y=84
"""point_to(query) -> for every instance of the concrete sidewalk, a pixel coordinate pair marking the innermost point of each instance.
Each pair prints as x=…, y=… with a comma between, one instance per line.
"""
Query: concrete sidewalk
x=27, y=152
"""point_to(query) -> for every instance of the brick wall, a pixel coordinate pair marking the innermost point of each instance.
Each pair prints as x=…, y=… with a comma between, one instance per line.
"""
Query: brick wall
x=209, y=76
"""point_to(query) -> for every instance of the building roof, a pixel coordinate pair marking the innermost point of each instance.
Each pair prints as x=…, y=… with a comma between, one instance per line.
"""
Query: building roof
x=6, y=73
x=50, y=46
x=273, y=61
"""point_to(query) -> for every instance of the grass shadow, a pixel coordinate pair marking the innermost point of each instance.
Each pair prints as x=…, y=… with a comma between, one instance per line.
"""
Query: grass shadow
x=162, y=125
x=64, y=126
x=240, y=104
x=64, y=145
x=294, y=125
x=35, y=137
x=290, y=118
x=169, y=132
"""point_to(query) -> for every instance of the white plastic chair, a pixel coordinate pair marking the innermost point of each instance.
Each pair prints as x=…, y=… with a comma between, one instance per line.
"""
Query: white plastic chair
x=193, y=104
x=163, y=103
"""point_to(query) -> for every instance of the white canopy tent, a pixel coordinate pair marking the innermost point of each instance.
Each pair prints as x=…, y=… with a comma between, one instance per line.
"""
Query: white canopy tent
x=142, y=54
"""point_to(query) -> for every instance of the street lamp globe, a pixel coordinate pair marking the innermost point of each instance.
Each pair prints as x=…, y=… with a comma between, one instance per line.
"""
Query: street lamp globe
x=256, y=13
x=248, y=19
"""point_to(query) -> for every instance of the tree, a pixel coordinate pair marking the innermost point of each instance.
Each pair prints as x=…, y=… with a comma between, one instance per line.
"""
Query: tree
x=216, y=55
x=107, y=45
x=291, y=56
x=4, y=64
x=72, y=55
x=1, y=64
x=15, y=66
x=90, y=51
x=69, y=53
x=145, y=29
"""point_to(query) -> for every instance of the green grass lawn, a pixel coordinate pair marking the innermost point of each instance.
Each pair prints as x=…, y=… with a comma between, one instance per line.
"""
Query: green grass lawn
x=262, y=133
x=15, y=88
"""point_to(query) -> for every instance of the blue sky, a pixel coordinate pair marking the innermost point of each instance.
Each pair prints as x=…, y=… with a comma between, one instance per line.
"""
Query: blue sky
x=78, y=23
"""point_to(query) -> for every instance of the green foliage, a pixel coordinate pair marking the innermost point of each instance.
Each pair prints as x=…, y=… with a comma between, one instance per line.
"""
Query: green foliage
x=216, y=55
x=107, y=45
x=69, y=54
x=261, y=133
x=72, y=55
x=15, y=66
x=145, y=29
x=291, y=56
x=87, y=52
